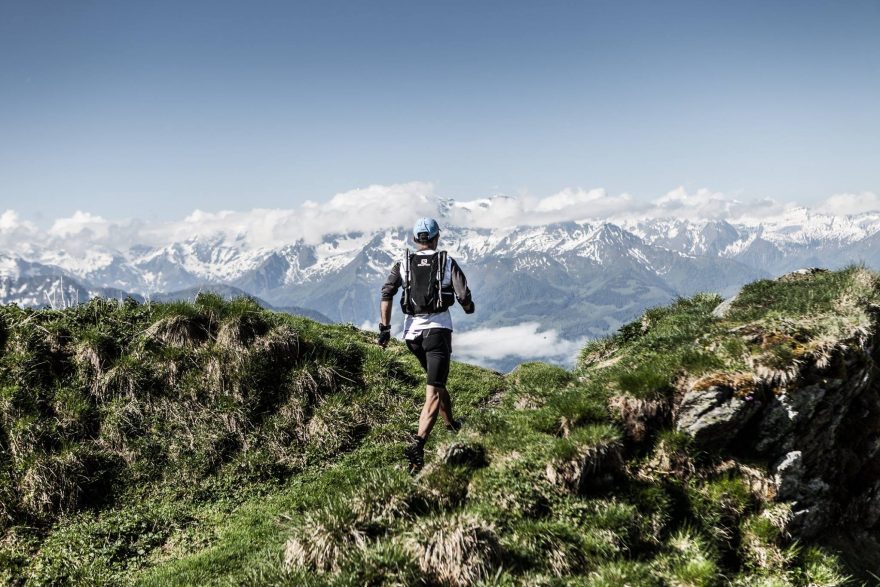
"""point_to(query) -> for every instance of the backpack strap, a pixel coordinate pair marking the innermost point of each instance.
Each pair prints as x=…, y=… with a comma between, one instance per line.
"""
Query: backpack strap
x=441, y=275
x=406, y=276
x=406, y=262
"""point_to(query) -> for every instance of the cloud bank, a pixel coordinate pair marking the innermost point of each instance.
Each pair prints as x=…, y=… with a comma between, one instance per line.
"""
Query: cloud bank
x=384, y=206
x=850, y=204
x=523, y=341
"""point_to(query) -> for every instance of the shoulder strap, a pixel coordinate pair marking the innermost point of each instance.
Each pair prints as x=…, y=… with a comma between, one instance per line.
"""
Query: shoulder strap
x=441, y=270
x=406, y=295
x=406, y=262
x=441, y=273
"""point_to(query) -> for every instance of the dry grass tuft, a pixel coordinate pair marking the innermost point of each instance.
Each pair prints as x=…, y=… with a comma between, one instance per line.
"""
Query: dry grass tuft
x=179, y=331
x=444, y=487
x=468, y=454
x=669, y=459
x=639, y=416
x=303, y=383
x=600, y=353
x=52, y=484
x=762, y=537
x=514, y=487
x=383, y=497
x=761, y=486
x=458, y=551
x=553, y=546
x=742, y=383
x=289, y=425
x=126, y=378
x=124, y=420
x=324, y=538
x=281, y=345
x=336, y=426
x=241, y=331
x=90, y=363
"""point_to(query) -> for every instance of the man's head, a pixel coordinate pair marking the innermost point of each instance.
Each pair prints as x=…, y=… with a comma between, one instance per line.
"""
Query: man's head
x=426, y=233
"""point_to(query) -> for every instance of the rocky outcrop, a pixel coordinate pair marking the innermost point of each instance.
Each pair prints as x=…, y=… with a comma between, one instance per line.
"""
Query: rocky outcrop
x=589, y=468
x=818, y=436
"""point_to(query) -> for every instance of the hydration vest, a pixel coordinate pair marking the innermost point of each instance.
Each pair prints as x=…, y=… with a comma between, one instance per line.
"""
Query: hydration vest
x=423, y=277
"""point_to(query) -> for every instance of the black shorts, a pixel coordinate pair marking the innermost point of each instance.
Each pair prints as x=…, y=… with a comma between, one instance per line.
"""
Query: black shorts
x=433, y=349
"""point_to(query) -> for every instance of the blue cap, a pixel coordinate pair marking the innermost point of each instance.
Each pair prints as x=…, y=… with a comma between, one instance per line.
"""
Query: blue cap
x=428, y=225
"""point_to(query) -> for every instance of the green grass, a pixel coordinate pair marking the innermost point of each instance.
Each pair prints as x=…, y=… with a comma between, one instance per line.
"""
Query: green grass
x=215, y=443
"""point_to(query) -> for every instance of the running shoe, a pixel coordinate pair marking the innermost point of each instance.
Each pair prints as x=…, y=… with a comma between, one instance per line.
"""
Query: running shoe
x=415, y=454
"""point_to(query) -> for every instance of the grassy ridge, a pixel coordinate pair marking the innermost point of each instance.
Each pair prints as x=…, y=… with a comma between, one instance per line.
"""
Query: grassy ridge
x=216, y=443
x=129, y=433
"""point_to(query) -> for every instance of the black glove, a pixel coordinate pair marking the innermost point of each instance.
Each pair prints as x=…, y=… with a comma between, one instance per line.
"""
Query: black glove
x=469, y=309
x=384, y=335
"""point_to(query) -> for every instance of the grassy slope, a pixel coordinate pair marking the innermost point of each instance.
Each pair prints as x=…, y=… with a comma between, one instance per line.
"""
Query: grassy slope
x=547, y=484
x=132, y=435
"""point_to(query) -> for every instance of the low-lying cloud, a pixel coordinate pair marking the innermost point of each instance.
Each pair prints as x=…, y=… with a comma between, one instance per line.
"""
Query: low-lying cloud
x=489, y=347
x=387, y=206
x=524, y=342
x=849, y=204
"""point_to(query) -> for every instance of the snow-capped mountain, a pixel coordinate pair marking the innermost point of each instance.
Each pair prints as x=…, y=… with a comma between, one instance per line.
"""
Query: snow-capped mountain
x=583, y=278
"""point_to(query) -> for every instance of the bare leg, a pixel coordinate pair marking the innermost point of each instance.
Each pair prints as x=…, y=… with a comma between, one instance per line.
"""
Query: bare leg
x=445, y=406
x=437, y=400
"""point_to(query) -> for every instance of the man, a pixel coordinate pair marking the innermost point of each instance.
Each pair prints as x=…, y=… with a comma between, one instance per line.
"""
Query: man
x=431, y=282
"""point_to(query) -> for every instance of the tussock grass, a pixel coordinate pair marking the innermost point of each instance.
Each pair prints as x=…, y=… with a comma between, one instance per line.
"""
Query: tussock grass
x=383, y=563
x=514, y=487
x=107, y=403
x=617, y=573
x=185, y=330
x=214, y=443
x=457, y=550
x=322, y=539
x=553, y=547
x=444, y=487
x=587, y=459
x=689, y=560
x=239, y=332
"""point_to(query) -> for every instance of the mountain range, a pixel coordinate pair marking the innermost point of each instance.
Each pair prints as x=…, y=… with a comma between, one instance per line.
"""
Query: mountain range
x=581, y=278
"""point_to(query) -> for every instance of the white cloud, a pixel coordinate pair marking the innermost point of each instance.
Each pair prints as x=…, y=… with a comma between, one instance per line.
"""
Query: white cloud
x=10, y=222
x=383, y=206
x=78, y=223
x=364, y=209
x=17, y=235
x=573, y=203
x=839, y=204
x=705, y=204
x=566, y=205
x=524, y=341
x=597, y=205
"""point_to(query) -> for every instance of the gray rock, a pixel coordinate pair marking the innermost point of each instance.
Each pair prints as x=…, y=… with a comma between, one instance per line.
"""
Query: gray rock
x=819, y=437
x=799, y=274
x=789, y=475
x=465, y=454
x=591, y=468
x=722, y=309
x=714, y=416
x=784, y=414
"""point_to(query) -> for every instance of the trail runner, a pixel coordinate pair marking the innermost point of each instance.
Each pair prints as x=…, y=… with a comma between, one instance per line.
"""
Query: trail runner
x=431, y=282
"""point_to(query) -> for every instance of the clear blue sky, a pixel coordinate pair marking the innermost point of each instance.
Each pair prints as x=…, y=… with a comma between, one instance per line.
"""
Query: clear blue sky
x=155, y=108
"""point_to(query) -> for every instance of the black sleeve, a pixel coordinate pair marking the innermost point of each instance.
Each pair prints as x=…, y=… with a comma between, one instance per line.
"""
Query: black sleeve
x=459, y=284
x=392, y=284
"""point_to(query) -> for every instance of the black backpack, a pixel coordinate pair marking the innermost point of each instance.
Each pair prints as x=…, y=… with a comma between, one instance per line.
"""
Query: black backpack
x=422, y=284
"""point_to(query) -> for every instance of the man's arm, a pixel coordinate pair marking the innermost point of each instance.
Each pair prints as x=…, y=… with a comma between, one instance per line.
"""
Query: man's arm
x=462, y=291
x=385, y=312
x=389, y=289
